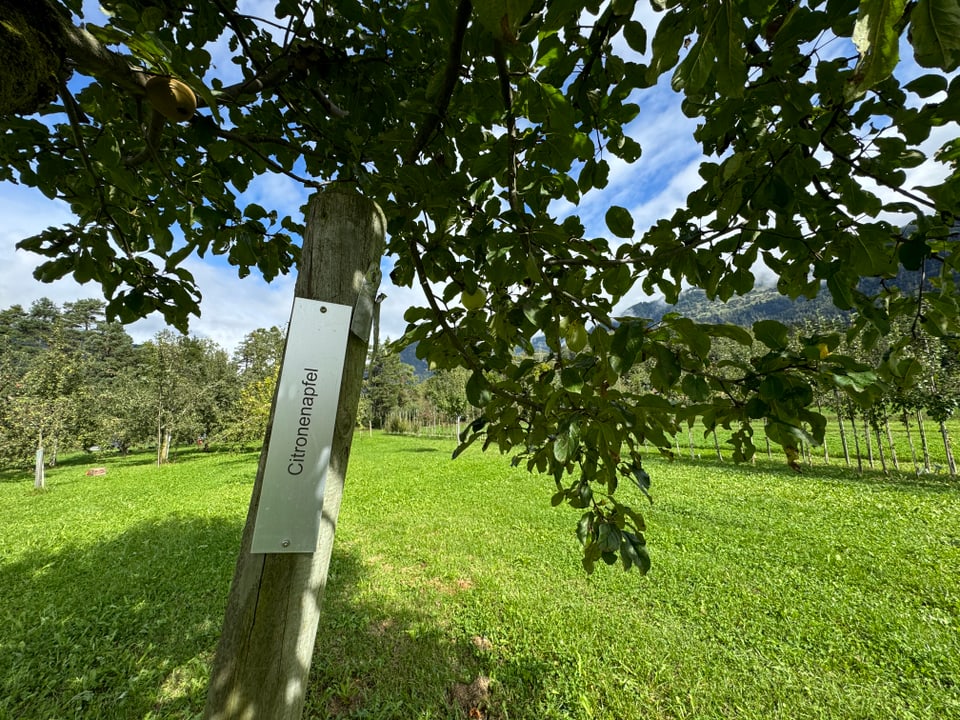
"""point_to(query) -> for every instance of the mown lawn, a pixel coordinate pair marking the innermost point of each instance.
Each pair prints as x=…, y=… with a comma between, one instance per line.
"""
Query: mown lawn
x=456, y=591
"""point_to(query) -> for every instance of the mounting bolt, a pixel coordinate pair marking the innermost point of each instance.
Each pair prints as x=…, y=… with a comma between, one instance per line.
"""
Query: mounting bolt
x=285, y=543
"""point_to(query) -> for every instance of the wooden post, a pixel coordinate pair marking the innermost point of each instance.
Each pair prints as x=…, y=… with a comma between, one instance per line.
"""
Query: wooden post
x=951, y=463
x=263, y=658
x=39, y=479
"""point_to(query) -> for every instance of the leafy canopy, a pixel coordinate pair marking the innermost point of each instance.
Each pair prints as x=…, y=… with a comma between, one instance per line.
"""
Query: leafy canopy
x=477, y=127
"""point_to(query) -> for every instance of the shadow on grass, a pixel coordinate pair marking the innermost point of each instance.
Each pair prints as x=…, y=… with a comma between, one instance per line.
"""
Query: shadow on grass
x=376, y=659
x=127, y=628
x=119, y=629
x=15, y=475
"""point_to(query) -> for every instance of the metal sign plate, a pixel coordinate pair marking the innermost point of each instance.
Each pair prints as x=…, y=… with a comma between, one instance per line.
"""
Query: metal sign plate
x=298, y=452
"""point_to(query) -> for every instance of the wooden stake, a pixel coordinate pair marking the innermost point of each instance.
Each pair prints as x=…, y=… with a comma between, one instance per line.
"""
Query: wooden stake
x=262, y=663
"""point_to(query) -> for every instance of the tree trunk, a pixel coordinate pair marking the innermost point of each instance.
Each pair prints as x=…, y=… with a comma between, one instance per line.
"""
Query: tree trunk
x=826, y=452
x=376, y=324
x=951, y=465
x=893, y=449
x=39, y=478
x=716, y=444
x=866, y=439
x=883, y=457
x=262, y=663
x=843, y=432
x=905, y=419
x=159, y=437
x=856, y=440
x=31, y=58
x=923, y=441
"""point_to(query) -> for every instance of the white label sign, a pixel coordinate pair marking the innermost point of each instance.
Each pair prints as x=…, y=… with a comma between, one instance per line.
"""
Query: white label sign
x=298, y=452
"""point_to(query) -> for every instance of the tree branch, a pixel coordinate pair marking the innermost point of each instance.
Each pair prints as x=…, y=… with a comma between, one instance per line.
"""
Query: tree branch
x=73, y=113
x=880, y=180
x=451, y=76
x=93, y=58
x=152, y=138
x=606, y=26
x=506, y=92
x=271, y=163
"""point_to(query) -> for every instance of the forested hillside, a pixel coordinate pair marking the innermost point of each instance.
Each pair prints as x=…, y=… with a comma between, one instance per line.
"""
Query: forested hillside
x=766, y=302
x=759, y=304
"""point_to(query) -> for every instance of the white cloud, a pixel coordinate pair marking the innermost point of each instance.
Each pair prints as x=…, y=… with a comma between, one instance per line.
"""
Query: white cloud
x=231, y=307
x=26, y=212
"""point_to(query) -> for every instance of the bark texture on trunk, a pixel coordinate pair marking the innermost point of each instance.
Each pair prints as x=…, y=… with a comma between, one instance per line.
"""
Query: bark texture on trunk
x=31, y=56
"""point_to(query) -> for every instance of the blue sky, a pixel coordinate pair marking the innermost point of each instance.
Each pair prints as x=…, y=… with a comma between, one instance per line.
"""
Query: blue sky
x=651, y=188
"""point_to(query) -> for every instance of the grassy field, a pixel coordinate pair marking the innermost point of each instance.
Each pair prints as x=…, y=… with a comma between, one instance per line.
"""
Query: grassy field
x=456, y=591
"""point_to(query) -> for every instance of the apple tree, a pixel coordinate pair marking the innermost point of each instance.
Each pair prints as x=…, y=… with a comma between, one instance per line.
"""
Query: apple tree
x=482, y=129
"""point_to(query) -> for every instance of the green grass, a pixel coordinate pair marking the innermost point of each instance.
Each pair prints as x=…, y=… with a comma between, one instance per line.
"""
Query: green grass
x=455, y=587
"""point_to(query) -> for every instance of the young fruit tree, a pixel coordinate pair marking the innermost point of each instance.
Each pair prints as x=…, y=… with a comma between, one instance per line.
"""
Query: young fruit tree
x=481, y=129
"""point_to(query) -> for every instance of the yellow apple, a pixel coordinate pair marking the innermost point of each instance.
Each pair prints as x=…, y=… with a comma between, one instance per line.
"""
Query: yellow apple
x=576, y=336
x=473, y=300
x=171, y=98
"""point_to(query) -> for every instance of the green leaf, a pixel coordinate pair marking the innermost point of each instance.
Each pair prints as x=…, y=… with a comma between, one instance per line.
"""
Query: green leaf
x=731, y=68
x=927, y=85
x=563, y=447
x=935, y=34
x=913, y=254
x=666, y=44
x=731, y=332
x=692, y=335
x=694, y=70
x=478, y=389
x=695, y=388
x=771, y=333
x=463, y=446
x=608, y=537
x=255, y=212
x=636, y=35
x=619, y=221
x=840, y=289
x=667, y=370
x=571, y=378
x=641, y=478
x=876, y=37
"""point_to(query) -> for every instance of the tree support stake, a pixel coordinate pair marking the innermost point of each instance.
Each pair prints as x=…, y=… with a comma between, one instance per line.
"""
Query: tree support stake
x=263, y=658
